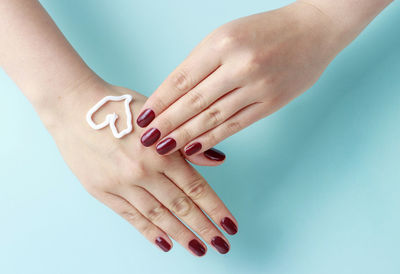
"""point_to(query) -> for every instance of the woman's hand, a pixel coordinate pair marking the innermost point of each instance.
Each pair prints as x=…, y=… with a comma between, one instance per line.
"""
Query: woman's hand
x=136, y=183
x=244, y=71
x=140, y=186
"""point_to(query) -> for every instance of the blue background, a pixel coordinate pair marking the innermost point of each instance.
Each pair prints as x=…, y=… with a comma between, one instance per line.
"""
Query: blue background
x=315, y=187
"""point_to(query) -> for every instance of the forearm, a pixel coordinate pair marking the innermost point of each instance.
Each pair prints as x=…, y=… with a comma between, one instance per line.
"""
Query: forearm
x=35, y=54
x=350, y=17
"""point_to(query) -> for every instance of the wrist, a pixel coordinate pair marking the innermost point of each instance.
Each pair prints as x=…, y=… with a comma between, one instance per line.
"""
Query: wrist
x=68, y=113
x=348, y=17
x=318, y=29
x=58, y=106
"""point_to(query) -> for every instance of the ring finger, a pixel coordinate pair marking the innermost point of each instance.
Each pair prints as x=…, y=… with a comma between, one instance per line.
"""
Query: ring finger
x=160, y=216
x=127, y=211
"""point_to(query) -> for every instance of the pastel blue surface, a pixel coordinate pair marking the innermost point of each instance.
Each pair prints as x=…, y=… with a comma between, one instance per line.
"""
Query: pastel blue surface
x=315, y=187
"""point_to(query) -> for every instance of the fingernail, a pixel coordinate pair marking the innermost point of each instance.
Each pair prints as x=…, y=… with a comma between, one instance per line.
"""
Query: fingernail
x=163, y=244
x=150, y=137
x=145, y=117
x=220, y=245
x=193, y=148
x=214, y=154
x=229, y=226
x=166, y=146
x=197, y=247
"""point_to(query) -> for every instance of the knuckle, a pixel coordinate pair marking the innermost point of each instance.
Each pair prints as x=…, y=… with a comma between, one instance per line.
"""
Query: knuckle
x=250, y=66
x=158, y=103
x=265, y=87
x=269, y=103
x=269, y=81
x=233, y=127
x=130, y=168
x=197, y=188
x=257, y=59
x=146, y=229
x=206, y=230
x=131, y=216
x=197, y=101
x=227, y=38
x=166, y=123
x=214, y=117
x=156, y=213
x=182, y=206
x=272, y=102
x=185, y=134
x=172, y=162
x=212, y=139
x=180, y=80
x=135, y=171
x=215, y=211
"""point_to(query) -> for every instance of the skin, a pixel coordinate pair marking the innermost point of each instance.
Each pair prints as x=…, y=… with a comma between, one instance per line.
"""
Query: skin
x=136, y=183
x=236, y=76
x=249, y=68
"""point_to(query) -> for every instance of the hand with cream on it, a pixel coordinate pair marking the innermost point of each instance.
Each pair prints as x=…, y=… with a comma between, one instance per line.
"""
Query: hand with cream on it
x=247, y=69
x=142, y=187
x=150, y=192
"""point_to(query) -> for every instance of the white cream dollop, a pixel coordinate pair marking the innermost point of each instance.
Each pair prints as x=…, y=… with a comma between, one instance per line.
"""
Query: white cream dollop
x=112, y=118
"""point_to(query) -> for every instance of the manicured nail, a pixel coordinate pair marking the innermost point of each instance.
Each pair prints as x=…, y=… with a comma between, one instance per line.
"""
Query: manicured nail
x=197, y=247
x=214, y=154
x=229, y=226
x=145, y=118
x=163, y=244
x=166, y=146
x=220, y=245
x=193, y=148
x=150, y=137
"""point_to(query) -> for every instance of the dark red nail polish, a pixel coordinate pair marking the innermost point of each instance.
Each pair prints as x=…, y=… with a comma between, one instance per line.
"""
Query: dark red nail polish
x=163, y=244
x=229, y=226
x=214, y=154
x=145, y=118
x=193, y=148
x=166, y=146
x=197, y=247
x=220, y=245
x=150, y=137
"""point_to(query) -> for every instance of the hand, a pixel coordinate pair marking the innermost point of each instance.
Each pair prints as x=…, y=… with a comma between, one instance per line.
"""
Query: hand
x=136, y=183
x=240, y=73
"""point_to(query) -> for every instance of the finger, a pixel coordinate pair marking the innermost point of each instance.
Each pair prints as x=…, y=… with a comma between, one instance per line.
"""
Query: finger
x=194, y=185
x=183, y=207
x=204, y=159
x=197, y=66
x=189, y=105
x=237, y=122
x=159, y=215
x=210, y=118
x=123, y=208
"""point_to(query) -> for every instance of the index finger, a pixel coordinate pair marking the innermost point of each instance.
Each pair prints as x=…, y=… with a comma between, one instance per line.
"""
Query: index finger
x=195, y=68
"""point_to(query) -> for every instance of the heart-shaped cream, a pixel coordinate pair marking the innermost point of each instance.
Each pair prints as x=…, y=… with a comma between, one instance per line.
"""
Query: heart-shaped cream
x=112, y=118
